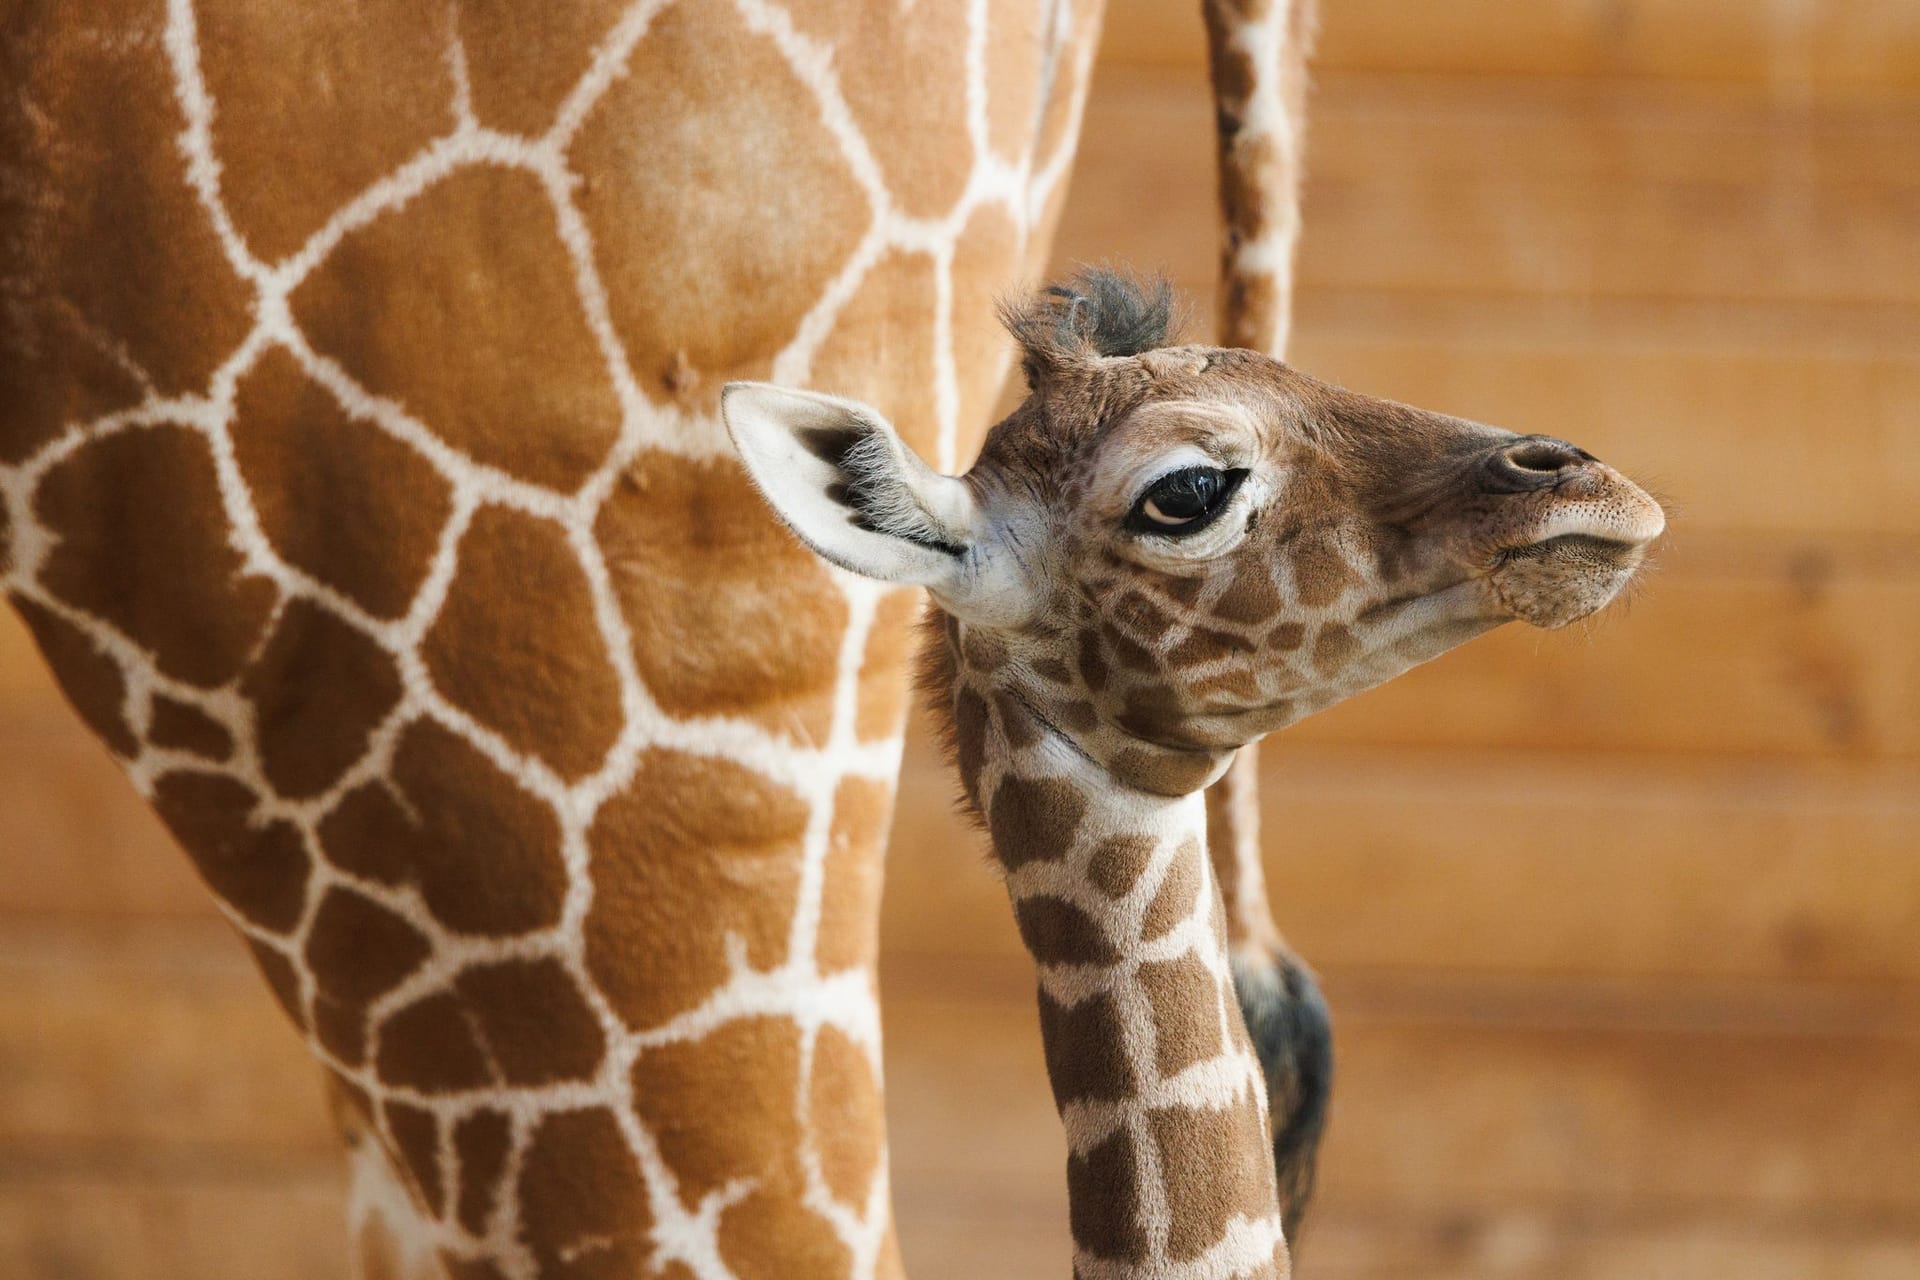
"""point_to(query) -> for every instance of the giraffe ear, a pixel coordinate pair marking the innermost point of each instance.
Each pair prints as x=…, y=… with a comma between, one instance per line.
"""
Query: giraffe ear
x=843, y=480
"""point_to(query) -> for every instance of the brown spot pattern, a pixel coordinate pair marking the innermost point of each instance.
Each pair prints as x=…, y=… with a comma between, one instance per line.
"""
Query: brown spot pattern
x=1119, y=862
x=1224, y=1172
x=710, y=1128
x=337, y=497
x=851, y=879
x=460, y=813
x=480, y=1148
x=1085, y=1050
x=143, y=544
x=846, y=1117
x=357, y=949
x=730, y=614
x=416, y=1132
x=90, y=679
x=410, y=305
x=516, y=646
x=182, y=727
x=583, y=1207
x=689, y=837
x=1034, y=820
x=1186, y=1012
x=1103, y=1199
x=260, y=871
x=318, y=689
x=430, y=1045
x=532, y=1022
x=1057, y=932
x=1334, y=648
x=1179, y=890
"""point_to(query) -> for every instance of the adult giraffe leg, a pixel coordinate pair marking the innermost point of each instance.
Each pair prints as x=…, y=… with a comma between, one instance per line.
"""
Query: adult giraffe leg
x=1258, y=51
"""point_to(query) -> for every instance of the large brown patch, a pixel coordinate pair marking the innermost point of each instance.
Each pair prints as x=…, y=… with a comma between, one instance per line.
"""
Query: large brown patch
x=515, y=644
x=845, y=1117
x=730, y=614
x=143, y=544
x=1085, y=1050
x=259, y=871
x=337, y=497
x=723, y=1106
x=690, y=838
x=423, y=304
x=318, y=688
x=583, y=1205
x=1034, y=820
x=315, y=103
x=484, y=853
x=1216, y=1166
x=762, y=206
x=90, y=679
x=1103, y=1193
x=1186, y=1012
x=532, y=1021
x=850, y=892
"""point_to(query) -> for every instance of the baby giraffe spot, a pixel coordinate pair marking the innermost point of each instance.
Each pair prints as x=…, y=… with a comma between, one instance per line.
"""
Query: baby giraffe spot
x=1119, y=863
x=1093, y=663
x=969, y=735
x=1053, y=671
x=1251, y=598
x=1016, y=726
x=581, y=1197
x=1164, y=772
x=1179, y=892
x=1287, y=636
x=1334, y=648
x=981, y=651
x=1034, y=820
x=1086, y=1050
x=1127, y=651
x=1217, y=1169
x=1239, y=684
x=1104, y=1200
x=259, y=870
x=1183, y=590
x=1186, y=1012
x=1076, y=714
x=1057, y=932
x=1208, y=644
x=1320, y=574
x=1140, y=613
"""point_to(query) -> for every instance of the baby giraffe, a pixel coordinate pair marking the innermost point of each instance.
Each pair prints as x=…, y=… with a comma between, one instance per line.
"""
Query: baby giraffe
x=1164, y=553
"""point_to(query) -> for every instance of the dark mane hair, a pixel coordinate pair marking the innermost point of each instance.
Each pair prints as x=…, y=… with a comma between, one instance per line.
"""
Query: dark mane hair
x=1098, y=311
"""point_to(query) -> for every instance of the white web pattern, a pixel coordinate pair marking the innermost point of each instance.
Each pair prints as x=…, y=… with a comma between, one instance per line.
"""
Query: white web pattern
x=797, y=990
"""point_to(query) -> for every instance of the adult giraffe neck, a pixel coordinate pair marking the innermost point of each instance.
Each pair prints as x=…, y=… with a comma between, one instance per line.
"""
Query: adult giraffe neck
x=1157, y=1083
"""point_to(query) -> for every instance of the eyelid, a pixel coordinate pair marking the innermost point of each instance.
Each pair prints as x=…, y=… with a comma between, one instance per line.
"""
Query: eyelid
x=1141, y=525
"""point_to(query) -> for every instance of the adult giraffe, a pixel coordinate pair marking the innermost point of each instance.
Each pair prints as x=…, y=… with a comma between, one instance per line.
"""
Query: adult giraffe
x=365, y=489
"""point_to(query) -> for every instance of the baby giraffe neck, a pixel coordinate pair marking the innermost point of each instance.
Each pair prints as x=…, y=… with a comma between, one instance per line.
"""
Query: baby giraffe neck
x=1169, y=1168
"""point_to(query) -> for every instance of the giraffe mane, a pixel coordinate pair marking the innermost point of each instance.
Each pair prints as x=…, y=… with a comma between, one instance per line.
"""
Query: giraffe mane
x=1098, y=311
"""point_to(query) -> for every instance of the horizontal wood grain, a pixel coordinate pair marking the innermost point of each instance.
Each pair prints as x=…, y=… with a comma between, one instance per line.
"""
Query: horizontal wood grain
x=1548, y=188
x=1500, y=863
x=1833, y=47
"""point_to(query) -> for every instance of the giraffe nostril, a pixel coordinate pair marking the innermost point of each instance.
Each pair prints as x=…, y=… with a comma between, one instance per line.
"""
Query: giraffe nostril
x=1544, y=455
x=1533, y=463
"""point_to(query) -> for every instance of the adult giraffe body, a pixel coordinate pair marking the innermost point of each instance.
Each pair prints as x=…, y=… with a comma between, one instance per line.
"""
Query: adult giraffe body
x=364, y=485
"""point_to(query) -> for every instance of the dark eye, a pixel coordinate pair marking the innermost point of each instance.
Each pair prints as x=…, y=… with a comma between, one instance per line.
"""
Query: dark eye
x=1185, y=501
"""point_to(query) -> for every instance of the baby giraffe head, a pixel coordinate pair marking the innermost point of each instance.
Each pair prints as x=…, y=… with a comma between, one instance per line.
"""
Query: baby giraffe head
x=1168, y=551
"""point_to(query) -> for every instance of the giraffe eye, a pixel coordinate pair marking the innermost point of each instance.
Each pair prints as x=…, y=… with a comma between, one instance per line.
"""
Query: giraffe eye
x=1184, y=501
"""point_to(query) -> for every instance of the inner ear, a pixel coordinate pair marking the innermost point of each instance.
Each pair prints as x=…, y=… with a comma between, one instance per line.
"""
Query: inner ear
x=844, y=481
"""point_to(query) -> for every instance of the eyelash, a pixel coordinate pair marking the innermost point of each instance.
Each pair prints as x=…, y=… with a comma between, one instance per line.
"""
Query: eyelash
x=1226, y=480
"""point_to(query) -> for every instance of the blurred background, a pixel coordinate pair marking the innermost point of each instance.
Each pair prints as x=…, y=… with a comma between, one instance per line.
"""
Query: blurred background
x=1621, y=926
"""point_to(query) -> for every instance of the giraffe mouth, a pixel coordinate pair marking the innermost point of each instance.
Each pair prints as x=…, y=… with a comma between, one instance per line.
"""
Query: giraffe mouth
x=1564, y=578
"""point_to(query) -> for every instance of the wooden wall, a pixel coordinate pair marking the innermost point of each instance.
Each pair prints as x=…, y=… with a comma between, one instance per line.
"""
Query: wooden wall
x=1621, y=926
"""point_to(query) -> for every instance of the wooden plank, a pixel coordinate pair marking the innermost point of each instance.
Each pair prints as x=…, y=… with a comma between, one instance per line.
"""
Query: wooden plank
x=1549, y=189
x=1716, y=406
x=155, y=1034
x=1851, y=46
x=79, y=1227
x=1439, y=1118
x=1506, y=863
